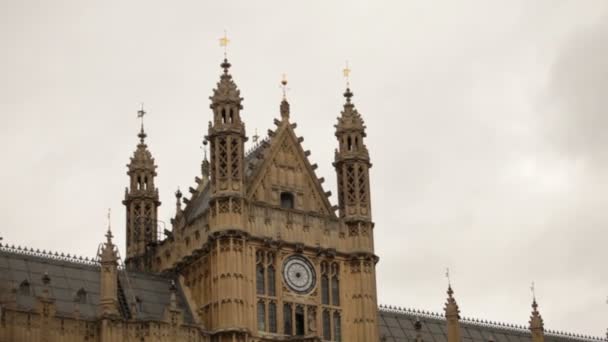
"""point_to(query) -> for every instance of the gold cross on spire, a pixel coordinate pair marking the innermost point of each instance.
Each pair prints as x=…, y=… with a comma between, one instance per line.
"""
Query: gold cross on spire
x=346, y=72
x=224, y=41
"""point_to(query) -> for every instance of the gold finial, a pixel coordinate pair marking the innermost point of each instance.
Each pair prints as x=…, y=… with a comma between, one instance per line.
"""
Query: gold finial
x=224, y=41
x=284, y=86
x=346, y=72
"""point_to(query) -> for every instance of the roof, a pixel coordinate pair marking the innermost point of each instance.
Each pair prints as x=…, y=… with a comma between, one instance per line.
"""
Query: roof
x=199, y=202
x=75, y=285
x=397, y=325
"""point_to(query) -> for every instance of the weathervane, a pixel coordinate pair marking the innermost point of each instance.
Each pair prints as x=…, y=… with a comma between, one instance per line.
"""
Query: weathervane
x=533, y=289
x=284, y=86
x=140, y=114
x=224, y=41
x=346, y=72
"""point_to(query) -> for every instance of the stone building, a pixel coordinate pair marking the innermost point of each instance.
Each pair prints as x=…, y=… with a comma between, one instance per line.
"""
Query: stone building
x=256, y=253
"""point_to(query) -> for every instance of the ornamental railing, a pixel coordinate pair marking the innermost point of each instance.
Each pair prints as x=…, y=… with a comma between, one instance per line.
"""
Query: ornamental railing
x=486, y=323
x=47, y=254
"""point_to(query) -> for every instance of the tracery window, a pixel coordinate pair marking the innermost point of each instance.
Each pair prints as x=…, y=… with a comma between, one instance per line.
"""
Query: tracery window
x=266, y=291
x=326, y=326
x=259, y=279
x=261, y=316
x=337, y=327
x=287, y=323
x=272, y=317
x=330, y=300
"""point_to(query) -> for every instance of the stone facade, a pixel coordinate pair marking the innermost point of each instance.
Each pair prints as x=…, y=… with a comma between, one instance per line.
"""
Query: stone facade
x=256, y=253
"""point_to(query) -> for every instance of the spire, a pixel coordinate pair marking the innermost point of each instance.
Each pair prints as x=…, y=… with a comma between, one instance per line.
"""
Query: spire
x=108, y=253
x=537, y=326
x=205, y=166
x=140, y=114
x=141, y=202
x=178, y=202
x=226, y=92
x=452, y=314
x=284, y=103
x=108, y=258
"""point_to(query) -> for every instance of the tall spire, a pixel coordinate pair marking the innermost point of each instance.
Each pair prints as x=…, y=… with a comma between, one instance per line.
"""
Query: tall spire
x=284, y=103
x=108, y=290
x=537, y=326
x=452, y=315
x=352, y=161
x=141, y=202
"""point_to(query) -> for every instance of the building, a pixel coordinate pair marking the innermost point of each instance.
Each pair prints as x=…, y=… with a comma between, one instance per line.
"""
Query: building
x=256, y=253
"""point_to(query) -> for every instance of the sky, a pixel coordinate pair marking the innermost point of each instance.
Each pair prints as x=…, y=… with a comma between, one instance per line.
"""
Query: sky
x=486, y=126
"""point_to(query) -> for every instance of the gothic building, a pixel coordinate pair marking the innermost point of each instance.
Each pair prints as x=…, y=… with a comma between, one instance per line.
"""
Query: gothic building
x=256, y=253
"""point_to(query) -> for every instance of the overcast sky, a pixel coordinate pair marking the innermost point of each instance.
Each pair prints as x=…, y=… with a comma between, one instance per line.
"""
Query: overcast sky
x=486, y=125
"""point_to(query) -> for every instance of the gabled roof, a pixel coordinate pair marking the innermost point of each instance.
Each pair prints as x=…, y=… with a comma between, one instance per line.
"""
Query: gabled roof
x=397, y=325
x=261, y=158
x=69, y=276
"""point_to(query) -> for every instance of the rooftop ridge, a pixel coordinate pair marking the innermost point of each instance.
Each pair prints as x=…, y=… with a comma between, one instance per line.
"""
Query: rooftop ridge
x=50, y=255
x=256, y=145
x=486, y=323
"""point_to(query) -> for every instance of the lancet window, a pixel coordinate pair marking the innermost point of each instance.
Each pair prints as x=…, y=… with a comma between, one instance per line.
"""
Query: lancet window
x=330, y=300
x=266, y=291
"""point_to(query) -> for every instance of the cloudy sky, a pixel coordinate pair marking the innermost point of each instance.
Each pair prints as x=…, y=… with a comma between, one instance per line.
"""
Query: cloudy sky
x=486, y=125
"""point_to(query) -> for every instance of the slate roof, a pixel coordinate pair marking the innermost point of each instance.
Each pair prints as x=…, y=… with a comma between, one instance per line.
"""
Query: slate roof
x=200, y=201
x=397, y=325
x=21, y=270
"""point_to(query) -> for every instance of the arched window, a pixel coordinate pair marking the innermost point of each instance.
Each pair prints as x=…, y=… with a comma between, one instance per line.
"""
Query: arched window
x=324, y=290
x=260, y=279
x=335, y=291
x=231, y=115
x=81, y=296
x=326, y=326
x=223, y=115
x=24, y=288
x=272, y=317
x=337, y=327
x=287, y=324
x=299, y=321
x=271, y=281
x=349, y=144
x=287, y=200
x=261, y=316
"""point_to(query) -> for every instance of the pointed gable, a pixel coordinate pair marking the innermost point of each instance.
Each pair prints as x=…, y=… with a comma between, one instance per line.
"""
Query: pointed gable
x=282, y=167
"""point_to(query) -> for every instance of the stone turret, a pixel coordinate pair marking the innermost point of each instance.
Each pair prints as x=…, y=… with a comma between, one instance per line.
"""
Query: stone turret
x=537, y=326
x=452, y=315
x=108, y=284
x=226, y=137
x=142, y=202
x=352, y=166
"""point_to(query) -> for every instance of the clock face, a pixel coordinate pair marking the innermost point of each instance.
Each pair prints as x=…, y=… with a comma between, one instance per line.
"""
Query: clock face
x=299, y=274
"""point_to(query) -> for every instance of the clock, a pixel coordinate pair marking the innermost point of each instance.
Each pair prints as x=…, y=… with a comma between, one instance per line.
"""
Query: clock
x=299, y=274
